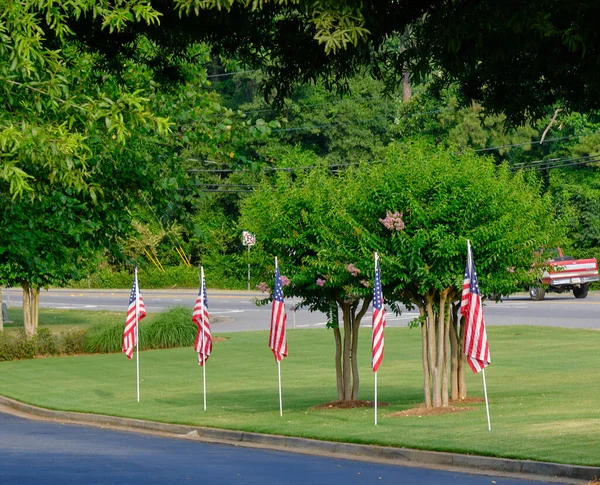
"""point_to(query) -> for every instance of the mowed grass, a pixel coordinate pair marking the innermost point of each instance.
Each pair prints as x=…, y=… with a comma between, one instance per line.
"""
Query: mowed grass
x=543, y=387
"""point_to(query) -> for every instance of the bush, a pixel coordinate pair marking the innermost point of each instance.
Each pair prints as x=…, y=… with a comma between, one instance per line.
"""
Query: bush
x=16, y=346
x=173, y=328
x=104, y=339
x=45, y=343
x=73, y=342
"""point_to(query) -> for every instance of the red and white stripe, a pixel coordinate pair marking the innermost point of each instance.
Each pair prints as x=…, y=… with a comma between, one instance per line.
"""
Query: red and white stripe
x=277, y=337
x=475, y=344
x=135, y=312
x=203, y=344
x=378, y=320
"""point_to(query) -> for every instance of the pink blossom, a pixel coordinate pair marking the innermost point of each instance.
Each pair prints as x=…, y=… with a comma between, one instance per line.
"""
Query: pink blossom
x=510, y=269
x=393, y=221
x=365, y=283
x=352, y=269
x=285, y=280
x=320, y=282
x=263, y=287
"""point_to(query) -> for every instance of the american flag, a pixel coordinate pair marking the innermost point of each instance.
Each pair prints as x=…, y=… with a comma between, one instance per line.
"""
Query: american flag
x=132, y=320
x=475, y=342
x=378, y=322
x=277, y=339
x=203, y=343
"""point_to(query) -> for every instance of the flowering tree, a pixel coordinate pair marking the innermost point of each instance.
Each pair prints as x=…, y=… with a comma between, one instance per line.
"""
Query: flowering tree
x=303, y=224
x=416, y=210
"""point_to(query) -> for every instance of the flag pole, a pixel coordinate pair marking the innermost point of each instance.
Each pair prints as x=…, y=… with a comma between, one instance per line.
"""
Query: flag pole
x=137, y=324
x=279, y=378
x=279, y=369
x=375, y=398
x=487, y=408
x=202, y=337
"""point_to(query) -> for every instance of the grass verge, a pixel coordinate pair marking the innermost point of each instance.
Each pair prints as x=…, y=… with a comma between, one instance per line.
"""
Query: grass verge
x=542, y=385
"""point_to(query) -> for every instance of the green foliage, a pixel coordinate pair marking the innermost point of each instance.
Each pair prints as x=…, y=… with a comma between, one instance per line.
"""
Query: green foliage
x=173, y=328
x=320, y=224
x=16, y=346
x=106, y=339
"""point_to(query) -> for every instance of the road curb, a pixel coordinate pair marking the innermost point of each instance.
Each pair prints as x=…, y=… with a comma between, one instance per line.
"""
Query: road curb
x=404, y=456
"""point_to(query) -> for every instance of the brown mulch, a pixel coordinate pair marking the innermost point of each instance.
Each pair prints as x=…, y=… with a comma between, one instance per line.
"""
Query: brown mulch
x=219, y=339
x=348, y=404
x=453, y=407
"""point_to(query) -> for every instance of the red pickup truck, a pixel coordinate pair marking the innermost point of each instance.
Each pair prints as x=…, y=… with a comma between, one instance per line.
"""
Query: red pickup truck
x=563, y=273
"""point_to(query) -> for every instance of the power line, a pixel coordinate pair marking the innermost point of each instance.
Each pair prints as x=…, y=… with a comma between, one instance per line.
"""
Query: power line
x=230, y=73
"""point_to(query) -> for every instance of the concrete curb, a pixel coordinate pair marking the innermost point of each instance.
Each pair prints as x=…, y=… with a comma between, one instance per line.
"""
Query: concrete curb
x=409, y=457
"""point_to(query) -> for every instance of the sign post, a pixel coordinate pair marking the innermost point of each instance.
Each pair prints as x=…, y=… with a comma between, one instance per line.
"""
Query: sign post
x=248, y=239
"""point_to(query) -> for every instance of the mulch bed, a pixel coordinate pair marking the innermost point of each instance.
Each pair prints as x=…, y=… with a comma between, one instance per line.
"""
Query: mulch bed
x=420, y=410
x=348, y=404
x=453, y=407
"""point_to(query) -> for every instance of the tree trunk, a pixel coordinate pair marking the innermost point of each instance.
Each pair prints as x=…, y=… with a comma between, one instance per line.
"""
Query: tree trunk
x=29, y=310
x=406, y=87
x=444, y=335
x=356, y=318
x=432, y=335
x=339, y=376
x=462, y=363
x=347, y=350
x=454, y=355
x=1, y=312
x=354, y=355
x=424, y=358
x=35, y=308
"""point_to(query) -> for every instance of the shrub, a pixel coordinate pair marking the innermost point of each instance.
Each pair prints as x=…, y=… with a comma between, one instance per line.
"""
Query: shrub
x=45, y=343
x=173, y=328
x=72, y=342
x=103, y=339
x=15, y=346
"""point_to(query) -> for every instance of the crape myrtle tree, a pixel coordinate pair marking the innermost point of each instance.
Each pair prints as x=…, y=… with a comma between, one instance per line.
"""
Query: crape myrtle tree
x=417, y=210
x=434, y=201
x=303, y=222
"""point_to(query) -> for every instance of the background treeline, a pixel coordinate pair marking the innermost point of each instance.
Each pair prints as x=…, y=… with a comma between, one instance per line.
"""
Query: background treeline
x=227, y=140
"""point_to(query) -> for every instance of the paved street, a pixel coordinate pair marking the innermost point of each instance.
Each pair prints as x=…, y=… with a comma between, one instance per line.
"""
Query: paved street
x=34, y=452
x=239, y=312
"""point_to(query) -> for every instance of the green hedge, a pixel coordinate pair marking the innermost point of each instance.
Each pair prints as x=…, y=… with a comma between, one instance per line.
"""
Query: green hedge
x=16, y=346
x=173, y=328
x=172, y=277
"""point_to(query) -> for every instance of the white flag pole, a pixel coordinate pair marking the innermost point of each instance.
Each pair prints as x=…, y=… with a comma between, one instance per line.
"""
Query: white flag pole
x=487, y=408
x=202, y=335
x=278, y=365
x=375, y=398
x=279, y=378
x=137, y=324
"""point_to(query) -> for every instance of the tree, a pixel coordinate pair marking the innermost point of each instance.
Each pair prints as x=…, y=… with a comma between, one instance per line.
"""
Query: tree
x=517, y=59
x=301, y=223
x=416, y=210
x=52, y=96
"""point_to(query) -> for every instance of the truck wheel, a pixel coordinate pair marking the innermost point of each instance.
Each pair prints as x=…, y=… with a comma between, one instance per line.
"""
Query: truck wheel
x=537, y=293
x=581, y=291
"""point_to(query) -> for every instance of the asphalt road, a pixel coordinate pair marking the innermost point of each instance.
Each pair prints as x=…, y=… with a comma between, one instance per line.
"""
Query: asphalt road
x=34, y=452
x=238, y=311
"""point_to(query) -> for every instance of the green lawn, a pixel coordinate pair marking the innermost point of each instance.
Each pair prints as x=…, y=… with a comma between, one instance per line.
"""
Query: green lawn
x=543, y=386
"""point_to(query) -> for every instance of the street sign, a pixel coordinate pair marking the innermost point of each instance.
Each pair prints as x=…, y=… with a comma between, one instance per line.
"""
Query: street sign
x=248, y=239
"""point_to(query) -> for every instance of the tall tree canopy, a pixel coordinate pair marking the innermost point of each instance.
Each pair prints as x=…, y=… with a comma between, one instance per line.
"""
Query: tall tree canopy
x=517, y=58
